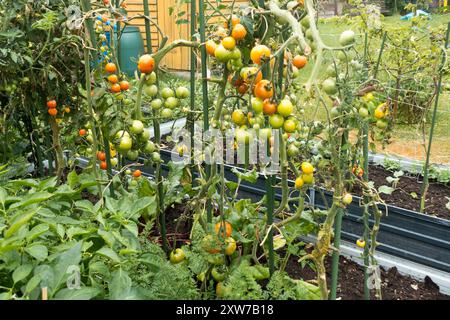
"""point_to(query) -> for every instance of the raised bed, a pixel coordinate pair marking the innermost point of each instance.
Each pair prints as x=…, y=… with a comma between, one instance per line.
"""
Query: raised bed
x=403, y=233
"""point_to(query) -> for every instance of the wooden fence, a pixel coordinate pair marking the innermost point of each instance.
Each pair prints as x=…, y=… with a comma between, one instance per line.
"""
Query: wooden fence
x=179, y=58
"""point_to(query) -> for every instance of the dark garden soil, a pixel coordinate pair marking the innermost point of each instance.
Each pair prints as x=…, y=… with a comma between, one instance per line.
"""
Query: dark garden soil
x=351, y=282
x=407, y=193
x=178, y=226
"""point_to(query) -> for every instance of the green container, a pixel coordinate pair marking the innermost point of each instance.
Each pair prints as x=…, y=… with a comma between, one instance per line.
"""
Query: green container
x=131, y=47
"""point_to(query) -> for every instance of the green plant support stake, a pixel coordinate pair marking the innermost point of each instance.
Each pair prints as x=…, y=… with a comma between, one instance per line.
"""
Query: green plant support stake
x=191, y=117
x=205, y=100
x=148, y=33
x=108, y=161
x=425, y=183
x=270, y=194
x=366, y=179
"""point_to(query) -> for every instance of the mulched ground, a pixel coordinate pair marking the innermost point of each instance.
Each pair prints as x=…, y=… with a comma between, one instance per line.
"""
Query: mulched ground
x=351, y=277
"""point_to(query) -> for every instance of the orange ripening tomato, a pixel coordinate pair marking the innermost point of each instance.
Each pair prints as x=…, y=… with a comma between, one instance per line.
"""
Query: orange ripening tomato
x=137, y=173
x=234, y=21
x=115, y=88
x=259, y=52
x=239, y=32
x=211, y=47
x=299, y=61
x=51, y=104
x=146, y=63
x=82, y=132
x=110, y=67
x=101, y=155
x=124, y=85
x=52, y=111
x=269, y=108
x=223, y=226
x=264, y=89
x=113, y=78
x=103, y=165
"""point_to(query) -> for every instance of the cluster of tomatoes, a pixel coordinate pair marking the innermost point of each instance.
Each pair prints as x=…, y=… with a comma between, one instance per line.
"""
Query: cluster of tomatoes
x=306, y=177
x=168, y=99
x=249, y=79
x=113, y=79
x=53, y=111
x=377, y=114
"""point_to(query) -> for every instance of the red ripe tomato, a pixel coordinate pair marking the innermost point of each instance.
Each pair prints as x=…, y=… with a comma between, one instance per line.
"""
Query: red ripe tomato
x=82, y=132
x=101, y=156
x=51, y=104
x=52, y=111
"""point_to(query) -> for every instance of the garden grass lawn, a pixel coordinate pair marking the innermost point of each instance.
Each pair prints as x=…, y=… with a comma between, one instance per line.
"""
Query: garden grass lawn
x=407, y=140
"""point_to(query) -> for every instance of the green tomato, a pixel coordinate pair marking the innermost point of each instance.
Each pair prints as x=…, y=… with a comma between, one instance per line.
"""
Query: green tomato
x=137, y=127
x=145, y=135
x=329, y=86
x=257, y=104
x=172, y=103
x=127, y=101
x=156, y=104
x=331, y=70
x=114, y=162
x=276, y=121
x=151, y=79
x=334, y=112
x=222, y=54
x=151, y=90
x=133, y=183
x=90, y=138
x=236, y=54
x=149, y=147
x=166, y=113
x=285, y=108
x=125, y=143
x=217, y=274
x=363, y=112
x=177, y=256
x=292, y=151
x=121, y=134
x=305, y=22
x=132, y=155
x=382, y=124
x=156, y=157
x=167, y=93
x=182, y=92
